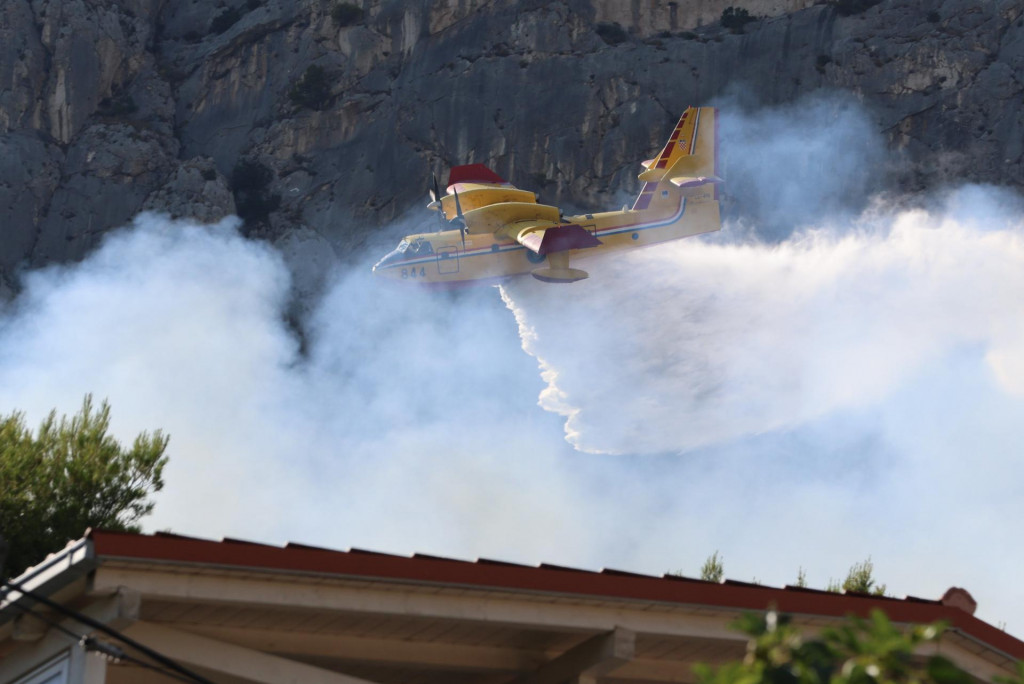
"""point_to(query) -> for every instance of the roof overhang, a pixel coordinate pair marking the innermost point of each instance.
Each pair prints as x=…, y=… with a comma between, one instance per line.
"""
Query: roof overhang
x=52, y=578
x=358, y=616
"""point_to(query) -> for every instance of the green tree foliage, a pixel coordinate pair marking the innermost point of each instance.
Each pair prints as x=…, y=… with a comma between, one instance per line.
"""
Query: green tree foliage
x=312, y=89
x=71, y=475
x=346, y=14
x=713, y=569
x=735, y=18
x=859, y=651
x=860, y=579
x=801, y=577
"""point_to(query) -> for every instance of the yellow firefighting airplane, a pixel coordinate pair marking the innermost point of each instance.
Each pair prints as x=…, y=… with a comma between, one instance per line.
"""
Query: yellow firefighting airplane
x=493, y=230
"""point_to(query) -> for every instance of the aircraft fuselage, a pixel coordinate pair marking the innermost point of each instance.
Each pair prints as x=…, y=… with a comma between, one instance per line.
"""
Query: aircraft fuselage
x=441, y=259
x=493, y=230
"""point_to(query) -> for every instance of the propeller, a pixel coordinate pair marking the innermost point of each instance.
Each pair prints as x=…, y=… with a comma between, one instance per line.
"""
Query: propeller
x=443, y=221
x=435, y=203
x=435, y=192
x=460, y=219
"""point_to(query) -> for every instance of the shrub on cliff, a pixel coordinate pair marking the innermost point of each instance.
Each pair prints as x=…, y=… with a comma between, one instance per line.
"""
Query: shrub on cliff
x=225, y=20
x=735, y=18
x=311, y=90
x=611, y=33
x=250, y=184
x=847, y=7
x=346, y=14
x=118, y=104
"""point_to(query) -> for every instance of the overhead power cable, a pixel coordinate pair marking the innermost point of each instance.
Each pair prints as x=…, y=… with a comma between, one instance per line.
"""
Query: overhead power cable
x=109, y=631
x=110, y=651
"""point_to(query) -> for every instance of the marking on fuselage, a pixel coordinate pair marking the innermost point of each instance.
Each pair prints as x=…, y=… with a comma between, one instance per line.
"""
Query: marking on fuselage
x=612, y=230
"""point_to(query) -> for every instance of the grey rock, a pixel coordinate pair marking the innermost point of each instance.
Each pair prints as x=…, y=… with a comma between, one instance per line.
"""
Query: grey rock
x=194, y=190
x=107, y=108
x=30, y=173
x=7, y=289
x=22, y=68
x=95, y=50
x=119, y=163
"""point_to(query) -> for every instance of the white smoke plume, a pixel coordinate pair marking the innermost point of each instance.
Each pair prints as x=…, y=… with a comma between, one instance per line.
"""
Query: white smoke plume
x=409, y=425
x=717, y=342
x=853, y=389
x=791, y=167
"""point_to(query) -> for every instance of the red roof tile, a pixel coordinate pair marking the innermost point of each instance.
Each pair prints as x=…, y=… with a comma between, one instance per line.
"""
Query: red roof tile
x=546, y=579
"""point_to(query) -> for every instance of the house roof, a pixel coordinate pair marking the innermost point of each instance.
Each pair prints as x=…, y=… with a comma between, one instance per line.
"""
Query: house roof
x=256, y=612
x=955, y=607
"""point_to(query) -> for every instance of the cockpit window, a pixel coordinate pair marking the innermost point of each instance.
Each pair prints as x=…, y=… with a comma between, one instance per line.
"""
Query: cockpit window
x=406, y=250
x=420, y=248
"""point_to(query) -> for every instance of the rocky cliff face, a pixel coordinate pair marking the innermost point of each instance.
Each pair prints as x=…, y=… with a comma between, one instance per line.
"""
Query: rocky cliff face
x=111, y=107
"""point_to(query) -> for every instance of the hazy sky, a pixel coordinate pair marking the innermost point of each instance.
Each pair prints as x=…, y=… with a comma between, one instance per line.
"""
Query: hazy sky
x=804, y=391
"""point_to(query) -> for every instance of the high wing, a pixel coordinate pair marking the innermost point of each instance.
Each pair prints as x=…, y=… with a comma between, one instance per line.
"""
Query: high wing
x=489, y=204
x=551, y=240
x=478, y=187
x=548, y=237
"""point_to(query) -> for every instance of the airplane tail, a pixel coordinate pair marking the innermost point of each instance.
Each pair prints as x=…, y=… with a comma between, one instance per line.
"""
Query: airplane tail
x=687, y=165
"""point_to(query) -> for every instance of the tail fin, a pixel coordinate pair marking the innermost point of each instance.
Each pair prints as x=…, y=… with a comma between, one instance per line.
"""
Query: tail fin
x=688, y=162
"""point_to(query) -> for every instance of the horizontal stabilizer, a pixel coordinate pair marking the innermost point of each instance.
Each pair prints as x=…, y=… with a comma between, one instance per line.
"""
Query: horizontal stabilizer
x=694, y=181
x=652, y=175
x=558, y=239
x=648, y=163
x=693, y=165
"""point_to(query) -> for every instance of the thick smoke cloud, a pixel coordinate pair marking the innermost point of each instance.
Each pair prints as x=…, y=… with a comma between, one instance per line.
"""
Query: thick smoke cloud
x=852, y=389
x=409, y=424
x=834, y=395
x=789, y=167
x=718, y=342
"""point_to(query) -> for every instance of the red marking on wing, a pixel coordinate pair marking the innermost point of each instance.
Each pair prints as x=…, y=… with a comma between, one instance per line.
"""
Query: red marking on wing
x=470, y=173
x=560, y=239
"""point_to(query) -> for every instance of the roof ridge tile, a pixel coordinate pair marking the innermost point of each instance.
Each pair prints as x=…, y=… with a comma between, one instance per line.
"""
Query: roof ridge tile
x=427, y=556
x=564, y=568
x=626, y=573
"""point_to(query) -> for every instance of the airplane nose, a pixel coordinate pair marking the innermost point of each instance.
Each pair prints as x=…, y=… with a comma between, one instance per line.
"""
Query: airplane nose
x=381, y=269
x=387, y=264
